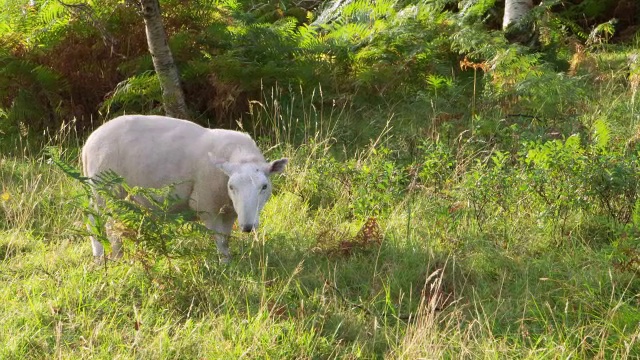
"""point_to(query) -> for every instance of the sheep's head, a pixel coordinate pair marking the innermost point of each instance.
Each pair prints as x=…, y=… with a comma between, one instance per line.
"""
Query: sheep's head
x=249, y=188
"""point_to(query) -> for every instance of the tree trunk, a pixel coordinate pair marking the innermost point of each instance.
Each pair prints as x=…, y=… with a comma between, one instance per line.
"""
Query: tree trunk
x=514, y=11
x=172, y=96
x=515, y=29
x=331, y=12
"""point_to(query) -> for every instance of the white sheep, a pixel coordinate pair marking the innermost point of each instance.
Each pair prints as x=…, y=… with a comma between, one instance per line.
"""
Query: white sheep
x=220, y=173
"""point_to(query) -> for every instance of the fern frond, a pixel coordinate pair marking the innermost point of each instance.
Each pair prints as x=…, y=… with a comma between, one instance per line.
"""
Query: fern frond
x=139, y=91
x=56, y=158
x=601, y=134
x=107, y=179
x=48, y=79
x=50, y=13
x=472, y=10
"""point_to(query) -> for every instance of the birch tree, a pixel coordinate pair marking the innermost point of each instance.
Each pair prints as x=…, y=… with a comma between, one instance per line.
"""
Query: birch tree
x=514, y=11
x=165, y=67
x=513, y=25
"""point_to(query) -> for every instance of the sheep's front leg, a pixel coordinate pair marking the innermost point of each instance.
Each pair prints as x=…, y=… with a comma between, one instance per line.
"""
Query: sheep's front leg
x=221, y=226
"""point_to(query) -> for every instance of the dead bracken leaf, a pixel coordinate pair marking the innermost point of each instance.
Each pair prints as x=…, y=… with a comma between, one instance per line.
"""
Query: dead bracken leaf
x=370, y=233
x=334, y=242
x=466, y=64
x=276, y=310
x=458, y=205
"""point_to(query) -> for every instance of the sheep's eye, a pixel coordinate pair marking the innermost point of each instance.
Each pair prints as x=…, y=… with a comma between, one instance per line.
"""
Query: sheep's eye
x=231, y=187
x=264, y=187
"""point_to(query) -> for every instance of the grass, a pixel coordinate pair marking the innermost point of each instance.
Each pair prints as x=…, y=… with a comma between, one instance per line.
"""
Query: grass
x=446, y=291
x=466, y=262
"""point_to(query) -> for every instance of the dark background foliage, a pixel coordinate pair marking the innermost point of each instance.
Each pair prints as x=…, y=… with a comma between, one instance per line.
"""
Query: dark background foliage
x=90, y=61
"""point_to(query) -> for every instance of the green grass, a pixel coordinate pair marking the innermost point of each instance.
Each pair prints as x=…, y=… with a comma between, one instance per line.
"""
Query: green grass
x=437, y=287
x=473, y=262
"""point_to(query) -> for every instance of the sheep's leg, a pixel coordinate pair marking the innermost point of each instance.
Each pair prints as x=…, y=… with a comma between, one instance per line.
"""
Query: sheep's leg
x=221, y=227
x=114, y=240
x=96, y=246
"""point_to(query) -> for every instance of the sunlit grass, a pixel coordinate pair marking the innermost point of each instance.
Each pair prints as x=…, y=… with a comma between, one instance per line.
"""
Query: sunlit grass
x=442, y=292
x=446, y=280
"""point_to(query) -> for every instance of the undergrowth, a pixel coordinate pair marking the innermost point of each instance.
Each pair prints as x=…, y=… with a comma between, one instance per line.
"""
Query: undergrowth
x=460, y=248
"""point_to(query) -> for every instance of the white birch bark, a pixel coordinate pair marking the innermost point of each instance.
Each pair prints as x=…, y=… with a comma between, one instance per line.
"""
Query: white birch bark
x=172, y=95
x=331, y=12
x=514, y=11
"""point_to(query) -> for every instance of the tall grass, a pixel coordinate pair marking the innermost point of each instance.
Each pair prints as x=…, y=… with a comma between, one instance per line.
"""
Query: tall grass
x=457, y=260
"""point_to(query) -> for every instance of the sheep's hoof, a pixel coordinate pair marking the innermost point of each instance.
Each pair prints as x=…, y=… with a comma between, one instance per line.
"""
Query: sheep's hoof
x=100, y=260
x=116, y=256
x=225, y=259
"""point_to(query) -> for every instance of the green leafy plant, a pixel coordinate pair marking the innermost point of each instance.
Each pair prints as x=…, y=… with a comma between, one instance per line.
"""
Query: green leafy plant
x=611, y=175
x=626, y=248
x=375, y=183
x=556, y=167
x=30, y=94
x=436, y=165
x=146, y=219
x=575, y=175
x=141, y=92
x=371, y=184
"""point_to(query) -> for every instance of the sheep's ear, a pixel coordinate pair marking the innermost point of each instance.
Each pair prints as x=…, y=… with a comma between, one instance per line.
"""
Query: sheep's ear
x=277, y=166
x=225, y=166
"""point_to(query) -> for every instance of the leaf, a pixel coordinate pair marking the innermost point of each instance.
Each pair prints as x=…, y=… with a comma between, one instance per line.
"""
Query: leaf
x=601, y=134
x=573, y=143
x=55, y=157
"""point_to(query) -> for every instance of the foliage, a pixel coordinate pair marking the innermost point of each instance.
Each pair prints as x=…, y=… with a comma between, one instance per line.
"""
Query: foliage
x=319, y=278
x=146, y=217
x=625, y=254
x=569, y=175
x=141, y=91
x=437, y=166
x=370, y=184
x=228, y=51
x=31, y=94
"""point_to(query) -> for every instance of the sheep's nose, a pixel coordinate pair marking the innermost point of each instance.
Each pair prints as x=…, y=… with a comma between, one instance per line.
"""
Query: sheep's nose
x=247, y=227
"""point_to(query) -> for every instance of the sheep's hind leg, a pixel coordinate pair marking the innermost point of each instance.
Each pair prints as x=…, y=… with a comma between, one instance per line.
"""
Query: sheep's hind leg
x=96, y=246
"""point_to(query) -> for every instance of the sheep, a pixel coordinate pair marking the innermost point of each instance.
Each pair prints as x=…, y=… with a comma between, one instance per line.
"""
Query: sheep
x=219, y=174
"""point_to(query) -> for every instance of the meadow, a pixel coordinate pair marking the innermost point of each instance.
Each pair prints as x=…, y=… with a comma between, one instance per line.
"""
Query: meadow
x=451, y=194
x=394, y=247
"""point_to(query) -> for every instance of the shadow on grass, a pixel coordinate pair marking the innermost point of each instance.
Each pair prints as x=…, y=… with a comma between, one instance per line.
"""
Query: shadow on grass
x=364, y=300
x=367, y=299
